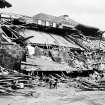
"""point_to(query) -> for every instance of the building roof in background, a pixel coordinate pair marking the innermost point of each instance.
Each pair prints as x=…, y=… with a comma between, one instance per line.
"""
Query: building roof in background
x=91, y=32
x=55, y=19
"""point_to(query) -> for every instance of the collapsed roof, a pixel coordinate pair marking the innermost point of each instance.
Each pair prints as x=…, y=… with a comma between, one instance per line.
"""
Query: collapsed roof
x=48, y=39
x=75, y=33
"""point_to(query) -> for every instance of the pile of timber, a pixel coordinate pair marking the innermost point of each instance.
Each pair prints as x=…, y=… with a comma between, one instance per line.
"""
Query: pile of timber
x=88, y=84
x=6, y=83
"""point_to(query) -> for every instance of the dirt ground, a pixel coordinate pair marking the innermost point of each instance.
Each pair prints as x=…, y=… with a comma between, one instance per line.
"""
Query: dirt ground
x=63, y=95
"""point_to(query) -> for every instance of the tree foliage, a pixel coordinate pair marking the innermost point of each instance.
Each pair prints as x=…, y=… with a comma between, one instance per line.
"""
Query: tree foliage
x=4, y=4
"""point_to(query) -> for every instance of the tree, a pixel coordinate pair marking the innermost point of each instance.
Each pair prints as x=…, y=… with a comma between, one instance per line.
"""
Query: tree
x=4, y=4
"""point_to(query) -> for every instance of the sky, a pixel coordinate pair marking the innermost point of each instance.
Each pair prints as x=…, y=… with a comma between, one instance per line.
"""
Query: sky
x=87, y=12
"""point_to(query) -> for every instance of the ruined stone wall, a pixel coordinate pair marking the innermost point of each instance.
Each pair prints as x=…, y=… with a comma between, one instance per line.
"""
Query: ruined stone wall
x=11, y=56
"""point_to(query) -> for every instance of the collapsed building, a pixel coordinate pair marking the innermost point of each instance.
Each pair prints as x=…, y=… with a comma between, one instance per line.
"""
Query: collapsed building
x=59, y=39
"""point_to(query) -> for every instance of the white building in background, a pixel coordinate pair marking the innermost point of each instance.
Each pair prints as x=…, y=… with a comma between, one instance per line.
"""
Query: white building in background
x=54, y=21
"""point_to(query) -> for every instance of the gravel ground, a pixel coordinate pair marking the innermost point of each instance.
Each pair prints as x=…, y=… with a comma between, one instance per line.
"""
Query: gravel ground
x=60, y=96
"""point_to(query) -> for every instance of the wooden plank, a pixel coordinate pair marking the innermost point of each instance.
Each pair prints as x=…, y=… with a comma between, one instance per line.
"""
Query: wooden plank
x=29, y=64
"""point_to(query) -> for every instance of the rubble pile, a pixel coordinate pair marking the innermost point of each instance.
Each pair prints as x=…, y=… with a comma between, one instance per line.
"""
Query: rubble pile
x=52, y=55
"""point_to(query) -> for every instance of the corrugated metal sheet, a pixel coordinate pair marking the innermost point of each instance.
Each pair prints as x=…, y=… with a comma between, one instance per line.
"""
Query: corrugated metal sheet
x=64, y=42
x=39, y=37
x=45, y=38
